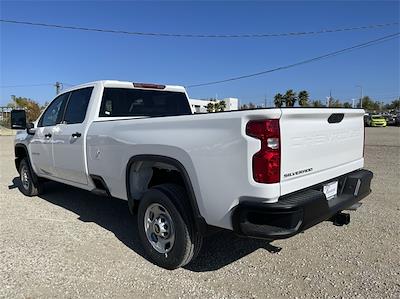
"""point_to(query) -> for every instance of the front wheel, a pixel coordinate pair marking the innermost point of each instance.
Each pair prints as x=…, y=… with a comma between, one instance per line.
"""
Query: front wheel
x=166, y=227
x=28, y=187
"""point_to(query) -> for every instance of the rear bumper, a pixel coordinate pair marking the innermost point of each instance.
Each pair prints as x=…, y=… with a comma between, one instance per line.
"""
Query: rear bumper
x=296, y=212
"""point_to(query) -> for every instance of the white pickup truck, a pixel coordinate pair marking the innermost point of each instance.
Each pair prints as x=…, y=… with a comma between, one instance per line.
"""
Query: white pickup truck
x=264, y=173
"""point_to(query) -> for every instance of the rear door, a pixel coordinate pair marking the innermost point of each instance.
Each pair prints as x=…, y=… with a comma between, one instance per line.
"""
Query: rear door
x=319, y=144
x=69, y=140
x=41, y=149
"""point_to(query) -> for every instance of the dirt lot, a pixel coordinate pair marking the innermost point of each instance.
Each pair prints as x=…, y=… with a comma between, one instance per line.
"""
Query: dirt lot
x=70, y=243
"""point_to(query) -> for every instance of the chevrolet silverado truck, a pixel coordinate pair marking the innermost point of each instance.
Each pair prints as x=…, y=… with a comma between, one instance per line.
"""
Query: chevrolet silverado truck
x=263, y=173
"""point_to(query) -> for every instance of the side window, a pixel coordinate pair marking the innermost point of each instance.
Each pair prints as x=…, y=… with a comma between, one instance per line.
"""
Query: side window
x=77, y=105
x=53, y=113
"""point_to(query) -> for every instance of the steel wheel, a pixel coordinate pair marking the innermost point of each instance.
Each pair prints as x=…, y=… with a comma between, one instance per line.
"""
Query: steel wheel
x=159, y=228
x=28, y=186
x=166, y=227
x=25, y=178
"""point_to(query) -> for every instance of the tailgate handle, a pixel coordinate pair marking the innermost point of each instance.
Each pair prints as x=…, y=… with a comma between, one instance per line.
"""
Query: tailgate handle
x=335, y=118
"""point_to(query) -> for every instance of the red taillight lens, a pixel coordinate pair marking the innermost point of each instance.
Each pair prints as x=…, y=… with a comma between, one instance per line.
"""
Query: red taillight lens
x=266, y=162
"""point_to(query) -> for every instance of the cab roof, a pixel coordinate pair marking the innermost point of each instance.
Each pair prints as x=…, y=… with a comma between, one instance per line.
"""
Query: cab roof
x=127, y=84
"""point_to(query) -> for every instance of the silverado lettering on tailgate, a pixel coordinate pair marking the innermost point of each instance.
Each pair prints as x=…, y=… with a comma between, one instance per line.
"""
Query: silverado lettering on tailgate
x=286, y=175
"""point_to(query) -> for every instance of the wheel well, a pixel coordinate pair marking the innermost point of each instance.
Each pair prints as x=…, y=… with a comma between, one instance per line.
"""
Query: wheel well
x=145, y=171
x=146, y=174
x=20, y=153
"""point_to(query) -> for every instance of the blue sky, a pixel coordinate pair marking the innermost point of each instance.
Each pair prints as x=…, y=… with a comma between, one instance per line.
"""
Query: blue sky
x=36, y=55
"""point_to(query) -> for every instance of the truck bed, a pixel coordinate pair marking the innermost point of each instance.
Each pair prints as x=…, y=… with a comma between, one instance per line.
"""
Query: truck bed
x=217, y=153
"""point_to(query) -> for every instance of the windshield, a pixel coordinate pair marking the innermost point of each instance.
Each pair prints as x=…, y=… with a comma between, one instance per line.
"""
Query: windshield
x=139, y=102
x=377, y=117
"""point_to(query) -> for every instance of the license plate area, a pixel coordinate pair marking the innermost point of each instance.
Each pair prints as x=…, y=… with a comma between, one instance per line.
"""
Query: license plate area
x=330, y=190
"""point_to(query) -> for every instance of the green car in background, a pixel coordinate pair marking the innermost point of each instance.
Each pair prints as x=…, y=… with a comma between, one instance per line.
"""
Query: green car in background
x=376, y=121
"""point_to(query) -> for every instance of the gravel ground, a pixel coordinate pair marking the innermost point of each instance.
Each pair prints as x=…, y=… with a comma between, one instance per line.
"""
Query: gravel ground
x=70, y=243
x=6, y=132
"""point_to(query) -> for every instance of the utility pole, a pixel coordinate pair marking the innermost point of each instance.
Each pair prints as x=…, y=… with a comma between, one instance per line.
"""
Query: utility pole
x=328, y=99
x=58, y=86
x=265, y=101
x=362, y=95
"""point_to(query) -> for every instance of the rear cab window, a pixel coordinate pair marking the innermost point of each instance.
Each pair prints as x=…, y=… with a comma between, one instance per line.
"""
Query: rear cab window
x=78, y=102
x=125, y=102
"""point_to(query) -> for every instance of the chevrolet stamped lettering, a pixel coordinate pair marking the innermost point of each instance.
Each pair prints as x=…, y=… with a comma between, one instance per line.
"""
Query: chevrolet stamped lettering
x=319, y=138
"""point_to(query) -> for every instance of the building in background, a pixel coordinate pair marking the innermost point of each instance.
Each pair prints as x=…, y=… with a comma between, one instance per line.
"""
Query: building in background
x=5, y=113
x=231, y=104
x=200, y=106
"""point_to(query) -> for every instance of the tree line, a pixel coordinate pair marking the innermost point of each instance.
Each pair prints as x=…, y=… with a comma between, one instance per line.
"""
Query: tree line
x=289, y=99
x=32, y=108
x=302, y=98
x=215, y=105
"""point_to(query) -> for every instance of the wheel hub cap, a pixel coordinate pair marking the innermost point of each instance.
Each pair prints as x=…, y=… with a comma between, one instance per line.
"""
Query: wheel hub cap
x=159, y=228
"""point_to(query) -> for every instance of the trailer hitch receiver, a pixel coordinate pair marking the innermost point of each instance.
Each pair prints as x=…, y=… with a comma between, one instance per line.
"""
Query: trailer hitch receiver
x=340, y=219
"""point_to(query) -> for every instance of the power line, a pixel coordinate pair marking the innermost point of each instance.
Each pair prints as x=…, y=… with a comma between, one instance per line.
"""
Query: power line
x=34, y=85
x=26, y=85
x=331, y=54
x=160, y=34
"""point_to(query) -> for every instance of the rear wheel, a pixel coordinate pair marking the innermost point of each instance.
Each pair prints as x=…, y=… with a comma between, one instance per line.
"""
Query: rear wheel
x=166, y=227
x=28, y=187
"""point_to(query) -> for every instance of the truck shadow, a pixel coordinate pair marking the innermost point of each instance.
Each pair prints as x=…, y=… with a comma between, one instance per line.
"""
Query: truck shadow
x=218, y=251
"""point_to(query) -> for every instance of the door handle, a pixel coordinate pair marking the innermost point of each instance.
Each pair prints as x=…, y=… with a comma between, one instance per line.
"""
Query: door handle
x=48, y=135
x=76, y=135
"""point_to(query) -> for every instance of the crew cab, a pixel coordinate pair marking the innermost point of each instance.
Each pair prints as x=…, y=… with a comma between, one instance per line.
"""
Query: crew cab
x=263, y=173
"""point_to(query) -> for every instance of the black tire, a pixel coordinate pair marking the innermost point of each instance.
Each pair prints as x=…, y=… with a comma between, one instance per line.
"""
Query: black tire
x=27, y=185
x=187, y=241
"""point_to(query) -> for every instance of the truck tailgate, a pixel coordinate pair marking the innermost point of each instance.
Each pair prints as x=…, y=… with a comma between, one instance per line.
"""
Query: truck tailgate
x=318, y=145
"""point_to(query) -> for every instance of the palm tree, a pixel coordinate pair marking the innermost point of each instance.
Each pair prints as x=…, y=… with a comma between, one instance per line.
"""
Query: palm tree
x=220, y=106
x=210, y=107
x=278, y=100
x=303, y=98
x=290, y=98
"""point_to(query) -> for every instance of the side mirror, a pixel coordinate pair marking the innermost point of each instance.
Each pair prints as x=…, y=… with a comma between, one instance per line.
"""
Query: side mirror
x=18, y=119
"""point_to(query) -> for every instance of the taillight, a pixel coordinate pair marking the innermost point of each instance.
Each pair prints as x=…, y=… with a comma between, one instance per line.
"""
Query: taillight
x=267, y=161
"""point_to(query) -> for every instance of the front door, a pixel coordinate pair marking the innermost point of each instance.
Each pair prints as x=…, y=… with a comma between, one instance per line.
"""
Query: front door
x=41, y=151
